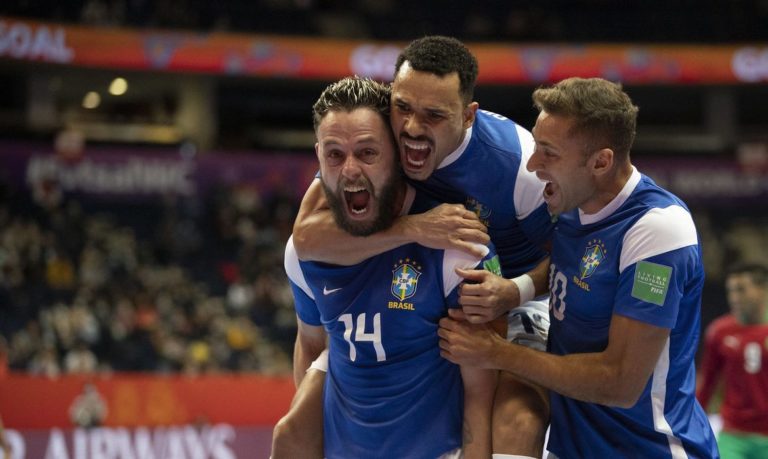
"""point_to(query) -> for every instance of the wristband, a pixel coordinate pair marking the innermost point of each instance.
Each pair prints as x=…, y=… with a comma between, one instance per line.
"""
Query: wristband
x=321, y=362
x=525, y=287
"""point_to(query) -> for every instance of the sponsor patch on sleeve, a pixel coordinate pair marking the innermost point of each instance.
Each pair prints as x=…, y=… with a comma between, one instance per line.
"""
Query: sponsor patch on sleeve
x=493, y=265
x=651, y=282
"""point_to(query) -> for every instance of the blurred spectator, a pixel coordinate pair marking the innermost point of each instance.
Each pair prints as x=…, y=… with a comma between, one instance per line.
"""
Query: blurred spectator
x=45, y=363
x=80, y=360
x=89, y=408
x=735, y=360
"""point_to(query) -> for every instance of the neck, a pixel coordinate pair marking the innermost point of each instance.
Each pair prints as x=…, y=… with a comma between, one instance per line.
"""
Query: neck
x=753, y=317
x=608, y=188
x=399, y=202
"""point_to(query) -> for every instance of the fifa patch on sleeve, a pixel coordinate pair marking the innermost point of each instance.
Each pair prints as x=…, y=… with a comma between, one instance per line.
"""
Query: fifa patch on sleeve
x=493, y=265
x=651, y=282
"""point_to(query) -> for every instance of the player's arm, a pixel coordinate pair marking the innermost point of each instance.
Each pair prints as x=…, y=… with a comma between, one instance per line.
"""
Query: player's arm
x=486, y=296
x=614, y=377
x=479, y=393
x=479, y=384
x=311, y=340
x=479, y=389
x=317, y=237
x=710, y=369
x=299, y=434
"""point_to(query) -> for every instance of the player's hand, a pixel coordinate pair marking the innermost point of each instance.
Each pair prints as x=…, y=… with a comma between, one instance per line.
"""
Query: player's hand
x=447, y=226
x=484, y=296
x=467, y=344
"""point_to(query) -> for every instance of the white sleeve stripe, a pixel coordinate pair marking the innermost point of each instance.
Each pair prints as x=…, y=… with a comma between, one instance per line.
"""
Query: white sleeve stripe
x=528, y=193
x=658, y=396
x=658, y=231
x=453, y=259
x=293, y=269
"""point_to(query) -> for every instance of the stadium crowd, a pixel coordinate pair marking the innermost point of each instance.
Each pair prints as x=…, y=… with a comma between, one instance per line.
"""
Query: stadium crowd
x=145, y=288
x=190, y=286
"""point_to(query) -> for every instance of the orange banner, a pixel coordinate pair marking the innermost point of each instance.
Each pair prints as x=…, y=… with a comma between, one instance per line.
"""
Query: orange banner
x=34, y=402
x=329, y=59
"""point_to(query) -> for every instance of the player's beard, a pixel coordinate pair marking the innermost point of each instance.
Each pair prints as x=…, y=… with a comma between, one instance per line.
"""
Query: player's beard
x=385, y=200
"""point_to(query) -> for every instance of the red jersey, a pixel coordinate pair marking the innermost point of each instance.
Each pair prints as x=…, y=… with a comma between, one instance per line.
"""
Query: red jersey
x=740, y=354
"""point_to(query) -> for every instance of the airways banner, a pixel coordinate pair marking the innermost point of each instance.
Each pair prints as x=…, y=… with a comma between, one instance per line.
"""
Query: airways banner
x=218, y=441
x=134, y=400
x=330, y=59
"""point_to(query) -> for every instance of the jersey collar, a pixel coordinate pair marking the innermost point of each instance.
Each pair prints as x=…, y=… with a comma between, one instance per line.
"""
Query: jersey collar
x=629, y=187
x=450, y=159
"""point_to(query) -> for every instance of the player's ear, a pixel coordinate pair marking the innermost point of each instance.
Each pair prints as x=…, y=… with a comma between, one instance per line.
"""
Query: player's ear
x=470, y=111
x=602, y=161
x=317, y=150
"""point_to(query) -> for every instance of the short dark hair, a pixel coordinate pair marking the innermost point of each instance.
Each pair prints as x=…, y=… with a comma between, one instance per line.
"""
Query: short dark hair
x=442, y=55
x=758, y=272
x=602, y=110
x=351, y=93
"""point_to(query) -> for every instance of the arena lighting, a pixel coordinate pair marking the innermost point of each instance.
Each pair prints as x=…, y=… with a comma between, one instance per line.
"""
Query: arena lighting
x=91, y=100
x=118, y=87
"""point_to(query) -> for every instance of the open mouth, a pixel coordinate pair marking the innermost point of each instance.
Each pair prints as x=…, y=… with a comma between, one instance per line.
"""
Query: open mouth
x=549, y=191
x=358, y=200
x=416, y=152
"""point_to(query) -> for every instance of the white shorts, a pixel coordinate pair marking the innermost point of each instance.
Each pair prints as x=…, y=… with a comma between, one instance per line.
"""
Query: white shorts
x=528, y=324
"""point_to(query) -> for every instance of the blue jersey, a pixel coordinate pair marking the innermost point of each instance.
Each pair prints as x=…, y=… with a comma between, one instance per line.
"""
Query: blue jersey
x=487, y=173
x=388, y=392
x=638, y=257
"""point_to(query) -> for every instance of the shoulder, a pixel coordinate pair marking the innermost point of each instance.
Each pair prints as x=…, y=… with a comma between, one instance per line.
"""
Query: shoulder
x=497, y=132
x=291, y=258
x=293, y=269
x=665, y=225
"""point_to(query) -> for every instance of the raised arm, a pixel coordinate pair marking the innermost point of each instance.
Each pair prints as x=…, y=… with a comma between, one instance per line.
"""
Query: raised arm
x=318, y=238
x=623, y=368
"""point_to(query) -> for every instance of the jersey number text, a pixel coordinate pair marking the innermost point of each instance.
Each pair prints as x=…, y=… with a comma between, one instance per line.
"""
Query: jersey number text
x=361, y=335
x=557, y=290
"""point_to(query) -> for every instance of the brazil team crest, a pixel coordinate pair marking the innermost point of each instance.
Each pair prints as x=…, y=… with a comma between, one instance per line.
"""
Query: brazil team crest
x=483, y=212
x=405, y=279
x=593, y=256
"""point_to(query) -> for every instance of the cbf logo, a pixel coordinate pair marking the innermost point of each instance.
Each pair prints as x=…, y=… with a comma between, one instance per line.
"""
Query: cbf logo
x=482, y=212
x=592, y=258
x=405, y=279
